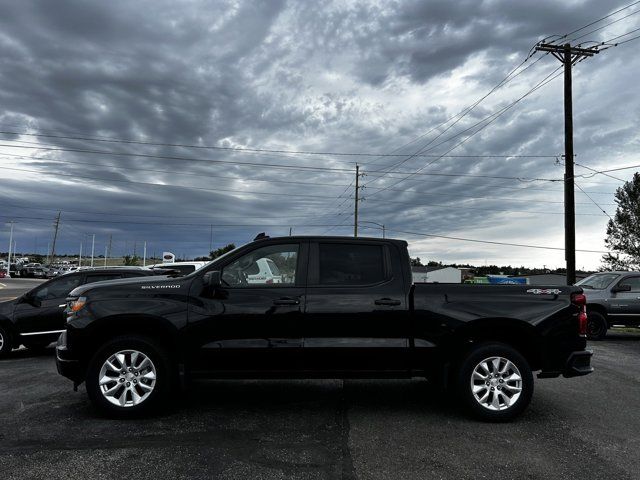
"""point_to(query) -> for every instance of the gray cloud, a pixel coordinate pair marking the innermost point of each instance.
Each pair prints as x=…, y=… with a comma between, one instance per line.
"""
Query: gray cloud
x=332, y=76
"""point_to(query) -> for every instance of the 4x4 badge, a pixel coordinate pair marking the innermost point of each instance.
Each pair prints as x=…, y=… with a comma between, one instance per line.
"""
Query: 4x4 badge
x=544, y=291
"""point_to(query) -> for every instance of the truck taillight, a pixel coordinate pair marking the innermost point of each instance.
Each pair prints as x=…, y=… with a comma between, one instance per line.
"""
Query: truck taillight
x=580, y=300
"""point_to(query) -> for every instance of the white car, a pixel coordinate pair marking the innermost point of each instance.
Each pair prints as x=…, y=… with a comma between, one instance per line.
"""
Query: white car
x=263, y=270
x=185, y=268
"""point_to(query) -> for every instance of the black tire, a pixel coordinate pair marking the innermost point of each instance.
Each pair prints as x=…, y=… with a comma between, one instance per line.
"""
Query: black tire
x=596, y=326
x=501, y=390
x=165, y=377
x=6, y=344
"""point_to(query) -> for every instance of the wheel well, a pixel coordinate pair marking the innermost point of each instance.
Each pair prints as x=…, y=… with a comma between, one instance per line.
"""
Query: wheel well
x=155, y=328
x=9, y=327
x=594, y=307
x=519, y=336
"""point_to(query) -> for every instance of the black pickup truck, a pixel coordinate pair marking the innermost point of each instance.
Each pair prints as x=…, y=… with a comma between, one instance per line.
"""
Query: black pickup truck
x=323, y=307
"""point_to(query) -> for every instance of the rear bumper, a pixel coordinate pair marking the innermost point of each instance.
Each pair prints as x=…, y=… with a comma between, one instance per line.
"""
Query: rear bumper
x=577, y=365
x=67, y=365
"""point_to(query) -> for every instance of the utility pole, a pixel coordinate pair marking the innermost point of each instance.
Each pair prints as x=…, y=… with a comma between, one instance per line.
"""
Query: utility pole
x=110, y=240
x=55, y=237
x=93, y=247
x=211, y=240
x=105, y=255
x=355, y=212
x=9, y=252
x=80, y=256
x=144, y=255
x=568, y=56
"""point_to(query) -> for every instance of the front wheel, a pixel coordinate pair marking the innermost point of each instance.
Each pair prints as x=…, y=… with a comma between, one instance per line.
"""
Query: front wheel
x=130, y=376
x=5, y=342
x=495, y=382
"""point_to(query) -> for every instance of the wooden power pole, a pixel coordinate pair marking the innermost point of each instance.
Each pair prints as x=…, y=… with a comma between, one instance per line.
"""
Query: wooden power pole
x=56, y=225
x=355, y=205
x=568, y=56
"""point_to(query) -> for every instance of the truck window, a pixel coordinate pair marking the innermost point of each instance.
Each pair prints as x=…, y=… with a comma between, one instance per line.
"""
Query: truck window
x=633, y=282
x=351, y=264
x=246, y=272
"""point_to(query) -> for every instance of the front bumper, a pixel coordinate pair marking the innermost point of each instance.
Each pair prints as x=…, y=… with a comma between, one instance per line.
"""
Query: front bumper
x=67, y=365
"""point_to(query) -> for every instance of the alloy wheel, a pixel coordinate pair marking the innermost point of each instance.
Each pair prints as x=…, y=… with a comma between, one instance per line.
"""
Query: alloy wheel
x=127, y=378
x=496, y=383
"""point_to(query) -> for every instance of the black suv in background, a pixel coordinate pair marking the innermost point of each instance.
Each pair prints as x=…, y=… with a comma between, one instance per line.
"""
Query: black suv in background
x=37, y=318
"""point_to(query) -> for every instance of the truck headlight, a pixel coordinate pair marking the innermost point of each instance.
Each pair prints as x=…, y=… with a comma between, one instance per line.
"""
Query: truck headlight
x=77, y=304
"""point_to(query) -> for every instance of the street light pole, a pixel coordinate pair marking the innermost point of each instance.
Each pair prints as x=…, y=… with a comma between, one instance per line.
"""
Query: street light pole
x=93, y=245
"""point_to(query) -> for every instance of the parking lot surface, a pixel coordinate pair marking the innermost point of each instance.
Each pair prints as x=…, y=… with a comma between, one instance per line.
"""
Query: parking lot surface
x=575, y=428
x=13, y=287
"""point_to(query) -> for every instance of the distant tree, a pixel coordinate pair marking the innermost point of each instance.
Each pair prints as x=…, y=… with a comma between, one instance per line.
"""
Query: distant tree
x=221, y=251
x=433, y=263
x=131, y=260
x=415, y=262
x=623, y=232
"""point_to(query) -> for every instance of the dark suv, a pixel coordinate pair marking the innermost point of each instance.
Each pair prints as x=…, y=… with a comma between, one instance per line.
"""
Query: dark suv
x=36, y=318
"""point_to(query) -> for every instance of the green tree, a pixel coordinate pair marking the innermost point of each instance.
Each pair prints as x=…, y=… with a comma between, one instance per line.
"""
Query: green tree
x=131, y=260
x=415, y=262
x=623, y=230
x=221, y=251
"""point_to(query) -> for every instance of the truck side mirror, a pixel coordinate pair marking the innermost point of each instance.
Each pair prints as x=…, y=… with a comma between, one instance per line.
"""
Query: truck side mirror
x=621, y=288
x=213, y=278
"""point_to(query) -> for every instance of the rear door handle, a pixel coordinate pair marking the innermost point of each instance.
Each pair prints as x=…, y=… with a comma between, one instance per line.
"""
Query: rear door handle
x=388, y=302
x=286, y=301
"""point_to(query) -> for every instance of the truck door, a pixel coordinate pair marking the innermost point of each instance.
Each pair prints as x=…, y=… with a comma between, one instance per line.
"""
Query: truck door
x=41, y=311
x=251, y=323
x=356, y=318
x=625, y=306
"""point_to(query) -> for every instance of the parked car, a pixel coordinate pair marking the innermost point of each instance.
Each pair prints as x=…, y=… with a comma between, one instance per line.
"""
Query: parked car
x=183, y=268
x=613, y=298
x=3, y=273
x=346, y=307
x=37, y=318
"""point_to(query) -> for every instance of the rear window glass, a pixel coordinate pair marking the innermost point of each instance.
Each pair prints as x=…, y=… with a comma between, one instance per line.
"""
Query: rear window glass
x=350, y=264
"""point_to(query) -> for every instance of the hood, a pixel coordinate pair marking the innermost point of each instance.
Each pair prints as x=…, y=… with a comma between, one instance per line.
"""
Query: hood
x=153, y=281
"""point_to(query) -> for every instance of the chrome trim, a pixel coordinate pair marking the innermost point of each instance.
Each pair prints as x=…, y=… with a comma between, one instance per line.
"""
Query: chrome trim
x=40, y=333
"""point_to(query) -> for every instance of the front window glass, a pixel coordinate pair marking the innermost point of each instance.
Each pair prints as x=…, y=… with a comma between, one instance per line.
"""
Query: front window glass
x=274, y=265
x=598, y=281
x=59, y=288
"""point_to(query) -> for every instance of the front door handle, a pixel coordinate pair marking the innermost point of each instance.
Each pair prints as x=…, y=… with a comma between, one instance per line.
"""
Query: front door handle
x=287, y=301
x=387, y=302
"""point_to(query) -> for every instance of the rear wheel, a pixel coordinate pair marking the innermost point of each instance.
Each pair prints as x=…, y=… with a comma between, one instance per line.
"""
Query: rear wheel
x=130, y=376
x=5, y=342
x=494, y=382
x=596, y=326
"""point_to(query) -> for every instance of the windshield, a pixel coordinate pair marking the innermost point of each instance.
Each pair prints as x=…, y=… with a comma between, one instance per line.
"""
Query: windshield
x=598, y=281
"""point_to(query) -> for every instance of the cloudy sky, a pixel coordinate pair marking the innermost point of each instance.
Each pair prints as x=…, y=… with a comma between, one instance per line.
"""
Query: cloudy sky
x=165, y=121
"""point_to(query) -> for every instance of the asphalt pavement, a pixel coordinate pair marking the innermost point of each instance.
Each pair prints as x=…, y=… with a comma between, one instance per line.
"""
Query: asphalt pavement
x=11, y=288
x=582, y=428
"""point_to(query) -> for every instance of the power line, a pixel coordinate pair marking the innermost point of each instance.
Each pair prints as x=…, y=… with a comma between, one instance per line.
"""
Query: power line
x=594, y=202
x=496, y=115
x=461, y=239
x=597, y=21
x=208, y=225
x=572, y=40
x=235, y=149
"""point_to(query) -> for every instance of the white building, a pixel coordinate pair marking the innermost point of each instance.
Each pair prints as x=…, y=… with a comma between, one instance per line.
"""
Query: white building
x=436, y=275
